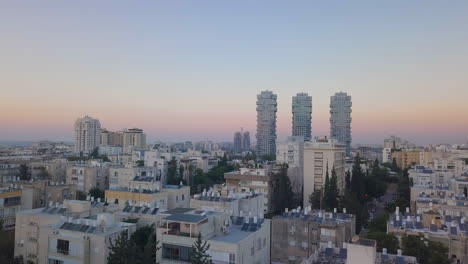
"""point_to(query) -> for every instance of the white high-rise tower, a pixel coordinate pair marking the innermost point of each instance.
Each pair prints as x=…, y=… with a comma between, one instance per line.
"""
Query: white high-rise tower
x=87, y=134
x=302, y=116
x=266, y=123
x=340, y=119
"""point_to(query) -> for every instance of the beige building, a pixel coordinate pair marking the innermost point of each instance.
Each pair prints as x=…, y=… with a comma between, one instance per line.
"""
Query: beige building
x=319, y=154
x=234, y=204
x=55, y=170
x=298, y=235
x=14, y=199
x=109, y=138
x=34, y=227
x=120, y=177
x=133, y=139
x=46, y=191
x=232, y=239
x=406, y=158
x=449, y=230
x=87, y=134
x=86, y=177
x=252, y=180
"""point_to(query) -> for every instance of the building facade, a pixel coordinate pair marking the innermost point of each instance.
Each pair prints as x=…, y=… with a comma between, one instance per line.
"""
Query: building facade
x=340, y=119
x=291, y=152
x=133, y=139
x=87, y=134
x=320, y=154
x=266, y=123
x=302, y=116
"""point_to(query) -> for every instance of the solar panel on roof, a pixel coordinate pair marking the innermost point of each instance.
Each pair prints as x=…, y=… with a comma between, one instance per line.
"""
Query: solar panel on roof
x=397, y=223
x=212, y=198
x=62, y=210
x=260, y=221
x=418, y=225
x=400, y=260
x=343, y=253
x=453, y=230
x=245, y=227
x=328, y=252
x=239, y=220
x=63, y=226
x=137, y=208
x=91, y=229
x=83, y=228
x=448, y=218
x=410, y=225
x=127, y=209
x=145, y=210
x=433, y=228
x=251, y=220
x=155, y=210
x=462, y=227
x=253, y=227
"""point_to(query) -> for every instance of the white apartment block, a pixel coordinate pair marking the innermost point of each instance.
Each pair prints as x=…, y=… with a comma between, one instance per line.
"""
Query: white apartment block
x=37, y=229
x=266, y=123
x=87, y=134
x=423, y=176
x=110, y=150
x=14, y=199
x=232, y=239
x=318, y=154
x=133, y=139
x=87, y=176
x=292, y=153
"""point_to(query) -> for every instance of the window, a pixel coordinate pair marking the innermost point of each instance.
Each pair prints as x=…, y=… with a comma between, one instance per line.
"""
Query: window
x=259, y=244
x=183, y=197
x=63, y=246
x=264, y=242
x=252, y=251
x=55, y=261
x=176, y=252
x=232, y=258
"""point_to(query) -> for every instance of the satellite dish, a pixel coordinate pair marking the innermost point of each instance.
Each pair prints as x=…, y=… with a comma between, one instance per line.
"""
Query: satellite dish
x=355, y=239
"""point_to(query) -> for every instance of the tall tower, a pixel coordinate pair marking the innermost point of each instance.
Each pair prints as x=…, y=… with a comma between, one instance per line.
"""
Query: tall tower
x=246, y=141
x=237, y=142
x=340, y=119
x=87, y=134
x=302, y=116
x=266, y=123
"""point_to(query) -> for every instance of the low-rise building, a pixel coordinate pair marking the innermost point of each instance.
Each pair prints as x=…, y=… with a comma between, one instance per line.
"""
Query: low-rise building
x=87, y=176
x=232, y=239
x=299, y=234
x=452, y=231
x=252, y=180
x=424, y=176
x=35, y=227
x=406, y=158
x=234, y=204
x=14, y=199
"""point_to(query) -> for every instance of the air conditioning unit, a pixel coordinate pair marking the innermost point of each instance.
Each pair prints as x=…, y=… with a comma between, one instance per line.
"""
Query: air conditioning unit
x=225, y=229
x=55, y=232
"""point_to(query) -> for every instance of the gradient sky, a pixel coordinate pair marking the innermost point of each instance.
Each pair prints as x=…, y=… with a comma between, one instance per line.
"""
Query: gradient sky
x=192, y=69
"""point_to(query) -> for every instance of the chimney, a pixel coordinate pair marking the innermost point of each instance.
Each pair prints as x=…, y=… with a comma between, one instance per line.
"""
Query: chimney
x=88, y=198
x=335, y=210
x=408, y=218
x=285, y=210
x=330, y=245
x=56, y=204
x=398, y=218
x=320, y=214
x=407, y=210
x=240, y=213
x=181, y=183
x=344, y=210
x=384, y=251
x=255, y=220
x=397, y=210
x=92, y=199
x=51, y=203
x=462, y=220
x=418, y=219
x=399, y=252
x=99, y=200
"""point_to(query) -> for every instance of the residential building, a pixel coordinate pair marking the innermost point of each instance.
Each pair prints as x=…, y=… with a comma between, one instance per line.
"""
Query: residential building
x=87, y=176
x=406, y=158
x=320, y=154
x=229, y=202
x=87, y=134
x=266, y=123
x=237, y=142
x=232, y=239
x=451, y=231
x=54, y=170
x=9, y=171
x=423, y=176
x=13, y=199
x=110, y=150
x=358, y=251
x=109, y=138
x=246, y=141
x=299, y=234
x=252, y=180
x=340, y=119
x=291, y=153
x=302, y=116
x=133, y=139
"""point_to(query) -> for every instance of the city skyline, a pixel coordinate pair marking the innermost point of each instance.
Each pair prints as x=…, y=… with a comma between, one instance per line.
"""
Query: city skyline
x=404, y=67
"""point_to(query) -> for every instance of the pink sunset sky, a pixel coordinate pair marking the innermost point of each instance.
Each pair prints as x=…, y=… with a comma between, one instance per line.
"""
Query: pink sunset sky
x=192, y=72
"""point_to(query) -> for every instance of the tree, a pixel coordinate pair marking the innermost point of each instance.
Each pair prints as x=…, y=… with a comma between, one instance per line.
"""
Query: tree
x=438, y=253
x=357, y=179
x=172, y=172
x=384, y=240
x=43, y=174
x=199, y=253
x=379, y=224
x=146, y=244
x=122, y=250
x=80, y=195
x=315, y=199
x=96, y=193
x=95, y=153
x=395, y=167
x=283, y=196
x=330, y=195
x=465, y=191
x=348, y=180
x=24, y=173
x=140, y=163
x=414, y=246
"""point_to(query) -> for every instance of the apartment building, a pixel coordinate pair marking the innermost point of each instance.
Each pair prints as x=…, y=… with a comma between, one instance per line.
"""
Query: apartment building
x=34, y=227
x=9, y=171
x=424, y=176
x=232, y=239
x=54, y=169
x=406, y=158
x=300, y=234
x=87, y=176
x=449, y=230
x=133, y=139
x=252, y=180
x=291, y=152
x=13, y=199
x=232, y=203
x=320, y=154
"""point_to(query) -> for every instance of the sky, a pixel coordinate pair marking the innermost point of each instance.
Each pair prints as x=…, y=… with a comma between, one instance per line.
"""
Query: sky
x=191, y=70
